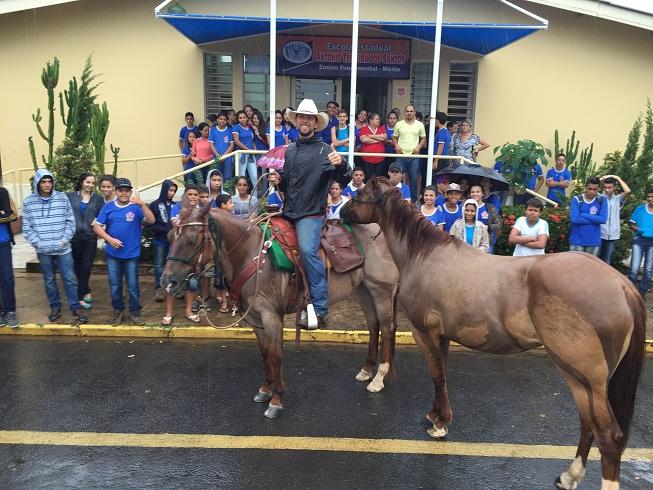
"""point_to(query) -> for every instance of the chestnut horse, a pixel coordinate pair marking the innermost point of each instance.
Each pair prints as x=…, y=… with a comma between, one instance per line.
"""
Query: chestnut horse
x=271, y=294
x=588, y=317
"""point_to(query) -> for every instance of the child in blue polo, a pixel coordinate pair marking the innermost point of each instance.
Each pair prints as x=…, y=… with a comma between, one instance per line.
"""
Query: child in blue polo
x=190, y=126
x=119, y=224
x=395, y=174
x=356, y=184
x=587, y=212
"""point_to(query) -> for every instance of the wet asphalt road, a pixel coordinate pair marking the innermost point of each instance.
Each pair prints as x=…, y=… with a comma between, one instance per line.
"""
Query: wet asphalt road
x=155, y=387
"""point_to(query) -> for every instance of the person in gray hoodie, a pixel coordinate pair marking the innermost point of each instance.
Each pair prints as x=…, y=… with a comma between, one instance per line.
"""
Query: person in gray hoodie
x=49, y=226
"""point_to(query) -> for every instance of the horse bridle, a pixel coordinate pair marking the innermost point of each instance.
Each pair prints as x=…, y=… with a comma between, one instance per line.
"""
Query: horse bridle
x=197, y=253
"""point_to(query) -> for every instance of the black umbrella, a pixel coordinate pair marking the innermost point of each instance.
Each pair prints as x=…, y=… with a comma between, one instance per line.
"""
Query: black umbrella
x=474, y=173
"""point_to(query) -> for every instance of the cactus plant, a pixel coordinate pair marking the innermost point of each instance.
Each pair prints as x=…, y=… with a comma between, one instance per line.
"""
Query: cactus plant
x=115, y=151
x=49, y=79
x=98, y=132
x=80, y=99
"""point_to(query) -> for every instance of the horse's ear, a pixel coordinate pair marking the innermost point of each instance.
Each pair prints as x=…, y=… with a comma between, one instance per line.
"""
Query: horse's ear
x=204, y=210
x=185, y=202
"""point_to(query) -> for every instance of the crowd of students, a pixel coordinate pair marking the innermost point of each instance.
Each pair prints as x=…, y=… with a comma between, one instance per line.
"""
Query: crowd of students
x=64, y=228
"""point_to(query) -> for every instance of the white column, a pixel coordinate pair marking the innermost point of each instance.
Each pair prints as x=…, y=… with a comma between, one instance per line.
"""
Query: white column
x=273, y=68
x=434, y=90
x=352, y=92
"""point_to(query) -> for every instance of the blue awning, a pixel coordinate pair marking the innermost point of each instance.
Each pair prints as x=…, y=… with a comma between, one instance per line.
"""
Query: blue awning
x=481, y=39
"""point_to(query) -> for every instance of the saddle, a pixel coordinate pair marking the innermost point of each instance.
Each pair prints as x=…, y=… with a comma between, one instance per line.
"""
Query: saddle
x=338, y=245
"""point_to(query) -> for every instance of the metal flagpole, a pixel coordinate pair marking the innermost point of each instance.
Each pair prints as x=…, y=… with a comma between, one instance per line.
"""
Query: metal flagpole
x=434, y=91
x=352, y=92
x=273, y=70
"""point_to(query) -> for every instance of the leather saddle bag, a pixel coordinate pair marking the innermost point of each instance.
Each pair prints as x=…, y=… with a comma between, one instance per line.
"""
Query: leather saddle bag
x=340, y=248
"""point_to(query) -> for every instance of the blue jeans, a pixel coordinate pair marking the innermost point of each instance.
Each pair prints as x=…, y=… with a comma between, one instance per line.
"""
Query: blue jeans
x=642, y=249
x=607, y=249
x=160, y=255
x=308, y=236
x=7, y=285
x=127, y=268
x=247, y=164
x=227, y=169
x=580, y=248
x=49, y=265
x=411, y=169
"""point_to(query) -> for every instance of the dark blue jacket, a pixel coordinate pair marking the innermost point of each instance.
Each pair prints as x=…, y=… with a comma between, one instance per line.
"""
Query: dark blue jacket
x=161, y=211
x=84, y=223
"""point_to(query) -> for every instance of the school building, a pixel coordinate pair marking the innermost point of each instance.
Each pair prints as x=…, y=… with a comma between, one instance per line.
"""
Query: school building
x=519, y=70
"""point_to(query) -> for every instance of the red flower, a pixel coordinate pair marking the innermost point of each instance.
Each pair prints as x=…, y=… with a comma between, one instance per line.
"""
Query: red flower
x=512, y=217
x=562, y=235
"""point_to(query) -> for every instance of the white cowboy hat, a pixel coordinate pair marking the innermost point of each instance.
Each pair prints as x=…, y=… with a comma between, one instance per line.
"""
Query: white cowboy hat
x=308, y=107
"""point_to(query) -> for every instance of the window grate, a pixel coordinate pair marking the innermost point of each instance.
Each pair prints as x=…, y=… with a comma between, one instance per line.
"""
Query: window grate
x=462, y=91
x=421, y=76
x=256, y=79
x=218, y=86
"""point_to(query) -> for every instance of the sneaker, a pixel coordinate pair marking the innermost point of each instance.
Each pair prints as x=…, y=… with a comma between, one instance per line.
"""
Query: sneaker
x=11, y=320
x=159, y=296
x=117, y=317
x=79, y=318
x=3, y=321
x=137, y=319
x=85, y=305
x=88, y=298
x=55, y=314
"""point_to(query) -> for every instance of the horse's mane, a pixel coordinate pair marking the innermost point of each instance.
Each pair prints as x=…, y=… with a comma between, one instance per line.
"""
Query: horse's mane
x=410, y=225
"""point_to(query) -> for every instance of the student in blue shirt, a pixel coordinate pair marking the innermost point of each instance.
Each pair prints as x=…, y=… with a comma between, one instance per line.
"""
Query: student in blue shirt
x=451, y=209
x=395, y=175
x=587, y=212
x=280, y=136
x=244, y=140
x=119, y=224
x=340, y=133
x=641, y=222
x=558, y=179
x=357, y=178
x=288, y=127
x=190, y=126
x=429, y=210
x=442, y=140
x=332, y=108
x=222, y=141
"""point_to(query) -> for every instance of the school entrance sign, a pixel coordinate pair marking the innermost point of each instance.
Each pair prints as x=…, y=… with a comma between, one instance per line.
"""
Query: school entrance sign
x=328, y=57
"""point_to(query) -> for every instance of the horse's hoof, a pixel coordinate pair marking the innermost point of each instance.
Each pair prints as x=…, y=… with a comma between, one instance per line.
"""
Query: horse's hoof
x=562, y=486
x=262, y=397
x=559, y=483
x=363, y=376
x=438, y=433
x=375, y=387
x=273, y=411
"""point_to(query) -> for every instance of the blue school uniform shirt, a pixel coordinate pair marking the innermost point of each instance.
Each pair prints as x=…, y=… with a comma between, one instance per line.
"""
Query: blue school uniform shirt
x=451, y=217
x=644, y=221
x=482, y=214
x=555, y=193
x=279, y=136
x=442, y=136
x=436, y=217
x=293, y=134
x=123, y=223
x=325, y=134
x=440, y=200
x=221, y=138
x=341, y=134
x=350, y=190
x=246, y=136
x=405, y=191
x=586, y=220
x=5, y=236
x=183, y=132
x=274, y=199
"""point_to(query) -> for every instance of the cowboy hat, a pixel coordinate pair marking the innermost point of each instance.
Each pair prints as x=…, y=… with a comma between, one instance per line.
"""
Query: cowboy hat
x=308, y=107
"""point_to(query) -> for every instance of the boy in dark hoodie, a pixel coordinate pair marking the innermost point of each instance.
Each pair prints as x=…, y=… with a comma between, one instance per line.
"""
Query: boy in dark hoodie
x=49, y=226
x=160, y=228
x=7, y=285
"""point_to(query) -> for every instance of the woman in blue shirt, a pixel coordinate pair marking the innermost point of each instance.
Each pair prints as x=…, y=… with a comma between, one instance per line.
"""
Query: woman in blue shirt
x=289, y=129
x=280, y=137
x=244, y=140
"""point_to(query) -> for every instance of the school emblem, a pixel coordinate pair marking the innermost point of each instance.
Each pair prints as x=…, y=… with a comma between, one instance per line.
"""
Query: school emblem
x=594, y=210
x=129, y=217
x=485, y=215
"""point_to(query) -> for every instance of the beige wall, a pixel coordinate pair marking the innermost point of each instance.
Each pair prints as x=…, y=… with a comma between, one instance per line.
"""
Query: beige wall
x=150, y=75
x=583, y=73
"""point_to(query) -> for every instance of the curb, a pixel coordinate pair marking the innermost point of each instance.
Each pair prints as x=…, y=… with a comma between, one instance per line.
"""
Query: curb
x=233, y=333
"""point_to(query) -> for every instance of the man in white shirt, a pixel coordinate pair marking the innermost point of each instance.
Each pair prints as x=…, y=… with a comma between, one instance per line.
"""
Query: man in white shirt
x=530, y=233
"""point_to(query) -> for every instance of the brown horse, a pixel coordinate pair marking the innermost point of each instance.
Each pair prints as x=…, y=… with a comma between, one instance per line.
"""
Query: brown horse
x=588, y=317
x=270, y=294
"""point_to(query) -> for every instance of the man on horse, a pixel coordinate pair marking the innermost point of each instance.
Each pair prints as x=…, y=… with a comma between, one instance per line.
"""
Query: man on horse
x=309, y=166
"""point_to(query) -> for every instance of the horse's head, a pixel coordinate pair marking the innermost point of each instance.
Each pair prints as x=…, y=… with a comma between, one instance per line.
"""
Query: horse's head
x=188, y=243
x=366, y=206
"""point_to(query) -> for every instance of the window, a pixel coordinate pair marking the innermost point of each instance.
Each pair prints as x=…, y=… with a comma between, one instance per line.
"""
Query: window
x=462, y=91
x=256, y=78
x=321, y=91
x=421, y=78
x=217, y=82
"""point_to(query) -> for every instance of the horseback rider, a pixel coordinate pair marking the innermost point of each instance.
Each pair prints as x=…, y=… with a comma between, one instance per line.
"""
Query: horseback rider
x=309, y=166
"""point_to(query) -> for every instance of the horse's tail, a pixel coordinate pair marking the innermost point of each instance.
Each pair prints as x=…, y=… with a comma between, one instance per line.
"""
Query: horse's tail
x=623, y=384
